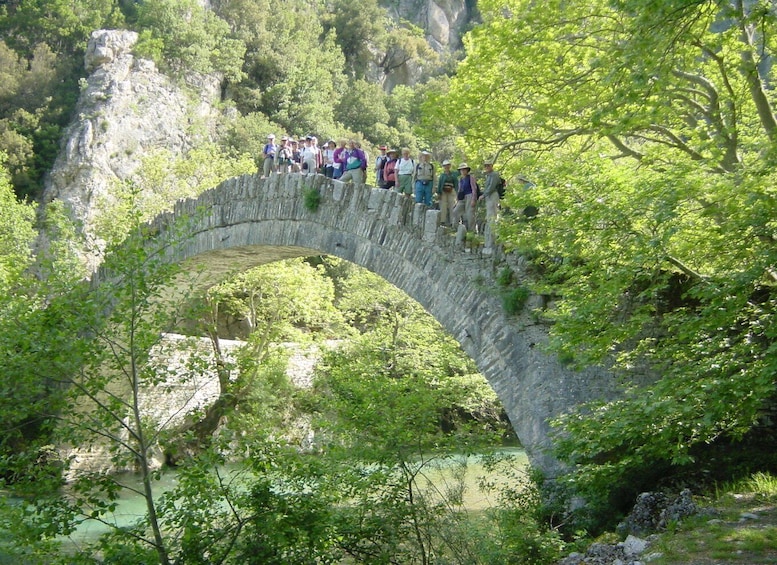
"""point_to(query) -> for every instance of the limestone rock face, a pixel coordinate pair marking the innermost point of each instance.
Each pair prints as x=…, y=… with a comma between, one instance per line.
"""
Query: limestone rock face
x=126, y=110
x=444, y=23
x=442, y=20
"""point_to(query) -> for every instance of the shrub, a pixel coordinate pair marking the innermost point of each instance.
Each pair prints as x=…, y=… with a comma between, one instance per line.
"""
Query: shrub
x=312, y=199
x=513, y=300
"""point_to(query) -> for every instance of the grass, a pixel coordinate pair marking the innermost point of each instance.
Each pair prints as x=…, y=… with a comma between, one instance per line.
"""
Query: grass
x=739, y=528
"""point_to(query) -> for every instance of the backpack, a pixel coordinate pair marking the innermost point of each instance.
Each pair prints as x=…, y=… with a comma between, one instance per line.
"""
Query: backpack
x=501, y=188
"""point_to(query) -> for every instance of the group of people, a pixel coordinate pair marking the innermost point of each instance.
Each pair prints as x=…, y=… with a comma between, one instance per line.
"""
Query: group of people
x=344, y=160
x=457, y=191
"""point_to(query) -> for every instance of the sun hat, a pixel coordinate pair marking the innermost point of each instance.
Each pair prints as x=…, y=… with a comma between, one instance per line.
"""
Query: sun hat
x=446, y=162
x=463, y=166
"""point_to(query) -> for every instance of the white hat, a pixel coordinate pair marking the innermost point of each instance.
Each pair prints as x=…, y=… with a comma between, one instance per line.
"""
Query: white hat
x=271, y=136
x=463, y=166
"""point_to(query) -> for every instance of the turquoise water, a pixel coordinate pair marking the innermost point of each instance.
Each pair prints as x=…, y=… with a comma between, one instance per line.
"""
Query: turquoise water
x=438, y=475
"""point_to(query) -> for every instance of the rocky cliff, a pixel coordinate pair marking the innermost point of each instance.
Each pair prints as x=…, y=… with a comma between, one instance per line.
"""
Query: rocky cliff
x=443, y=21
x=127, y=108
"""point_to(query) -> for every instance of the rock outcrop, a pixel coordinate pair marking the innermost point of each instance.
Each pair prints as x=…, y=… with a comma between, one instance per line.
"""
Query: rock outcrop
x=444, y=23
x=127, y=108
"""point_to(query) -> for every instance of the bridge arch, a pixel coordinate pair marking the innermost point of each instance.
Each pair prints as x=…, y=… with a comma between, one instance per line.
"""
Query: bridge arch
x=248, y=221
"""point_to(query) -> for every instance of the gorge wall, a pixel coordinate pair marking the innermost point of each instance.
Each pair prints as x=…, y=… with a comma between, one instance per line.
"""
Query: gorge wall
x=126, y=111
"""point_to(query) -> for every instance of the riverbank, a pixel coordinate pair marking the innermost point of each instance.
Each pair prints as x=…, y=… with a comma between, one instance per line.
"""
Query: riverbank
x=737, y=525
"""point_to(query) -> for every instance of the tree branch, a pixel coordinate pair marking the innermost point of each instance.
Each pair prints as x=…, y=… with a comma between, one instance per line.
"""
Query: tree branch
x=753, y=76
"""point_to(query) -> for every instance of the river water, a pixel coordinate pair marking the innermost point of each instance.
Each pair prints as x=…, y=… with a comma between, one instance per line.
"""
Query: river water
x=439, y=474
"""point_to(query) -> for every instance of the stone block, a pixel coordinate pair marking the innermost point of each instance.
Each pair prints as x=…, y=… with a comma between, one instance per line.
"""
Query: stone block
x=377, y=199
x=338, y=190
x=430, y=225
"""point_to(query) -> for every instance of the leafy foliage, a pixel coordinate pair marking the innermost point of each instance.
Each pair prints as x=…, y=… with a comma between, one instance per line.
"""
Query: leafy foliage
x=312, y=199
x=648, y=139
x=188, y=38
x=160, y=181
x=293, y=87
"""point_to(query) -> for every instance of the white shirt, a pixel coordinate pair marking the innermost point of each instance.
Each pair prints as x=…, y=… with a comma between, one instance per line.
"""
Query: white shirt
x=405, y=166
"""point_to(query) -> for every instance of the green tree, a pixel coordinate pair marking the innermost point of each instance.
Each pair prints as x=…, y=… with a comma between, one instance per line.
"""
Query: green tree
x=33, y=106
x=406, y=44
x=63, y=25
x=185, y=37
x=95, y=361
x=23, y=397
x=362, y=109
x=292, y=67
x=375, y=44
x=358, y=29
x=16, y=235
x=647, y=133
x=277, y=303
x=31, y=347
x=391, y=407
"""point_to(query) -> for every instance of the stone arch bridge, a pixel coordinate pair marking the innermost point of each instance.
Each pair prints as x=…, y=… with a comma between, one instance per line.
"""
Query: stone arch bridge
x=248, y=221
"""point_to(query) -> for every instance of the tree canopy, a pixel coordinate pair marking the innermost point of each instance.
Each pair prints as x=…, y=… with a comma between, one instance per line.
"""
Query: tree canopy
x=644, y=133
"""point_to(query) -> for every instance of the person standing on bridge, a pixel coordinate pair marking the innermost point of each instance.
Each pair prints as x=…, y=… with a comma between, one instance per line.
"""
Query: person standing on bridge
x=309, y=156
x=296, y=157
x=268, y=153
x=405, y=168
x=355, y=164
x=328, y=157
x=423, y=177
x=339, y=159
x=491, y=196
x=380, y=164
x=283, y=156
x=446, y=192
x=390, y=169
x=467, y=198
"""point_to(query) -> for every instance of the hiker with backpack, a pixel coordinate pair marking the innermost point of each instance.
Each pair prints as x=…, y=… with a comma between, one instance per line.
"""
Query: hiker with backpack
x=355, y=164
x=268, y=155
x=467, y=198
x=423, y=179
x=390, y=169
x=405, y=168
x=447, y=183
x=380, y=163
x=491, y=194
